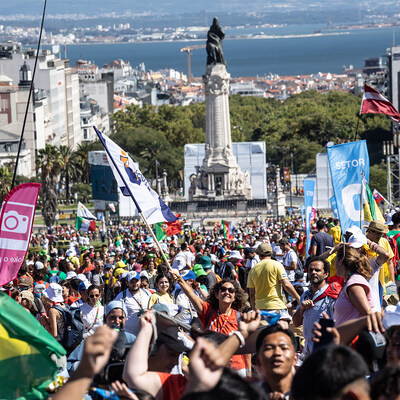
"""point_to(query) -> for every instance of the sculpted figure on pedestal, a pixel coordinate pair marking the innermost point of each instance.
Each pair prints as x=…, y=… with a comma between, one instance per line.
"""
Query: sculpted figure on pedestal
x=215, y=35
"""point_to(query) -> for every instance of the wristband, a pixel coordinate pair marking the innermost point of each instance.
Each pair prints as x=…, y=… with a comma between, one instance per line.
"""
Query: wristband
x=241, y=338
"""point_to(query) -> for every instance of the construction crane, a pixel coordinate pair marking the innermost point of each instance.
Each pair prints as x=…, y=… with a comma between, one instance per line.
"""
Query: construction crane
x=188, y=50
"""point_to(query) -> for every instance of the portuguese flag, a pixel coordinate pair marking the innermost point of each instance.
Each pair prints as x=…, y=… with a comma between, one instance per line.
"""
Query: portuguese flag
x=83, y=224
x=26, y=368
x=227, y=231
x=164, y=229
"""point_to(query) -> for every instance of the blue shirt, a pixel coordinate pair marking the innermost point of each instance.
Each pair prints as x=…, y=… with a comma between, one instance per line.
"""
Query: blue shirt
x=313, y=314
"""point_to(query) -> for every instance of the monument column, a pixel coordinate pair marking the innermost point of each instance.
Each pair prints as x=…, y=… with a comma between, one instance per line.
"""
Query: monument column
x=225, y=180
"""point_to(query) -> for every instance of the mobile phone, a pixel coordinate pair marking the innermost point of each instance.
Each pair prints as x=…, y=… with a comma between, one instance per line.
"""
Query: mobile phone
x=326, y=337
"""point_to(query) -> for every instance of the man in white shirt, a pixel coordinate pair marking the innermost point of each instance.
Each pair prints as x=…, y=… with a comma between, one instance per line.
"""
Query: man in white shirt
x=187, y=254
x=289, y=258
x=136, y=301
x=252, y=259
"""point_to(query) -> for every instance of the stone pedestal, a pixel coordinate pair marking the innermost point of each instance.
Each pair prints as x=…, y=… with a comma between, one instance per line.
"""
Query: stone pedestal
x=219, y=177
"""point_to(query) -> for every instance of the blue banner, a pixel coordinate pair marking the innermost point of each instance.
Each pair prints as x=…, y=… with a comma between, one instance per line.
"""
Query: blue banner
x=332, y=200
x=347, y=163
x=309, y=187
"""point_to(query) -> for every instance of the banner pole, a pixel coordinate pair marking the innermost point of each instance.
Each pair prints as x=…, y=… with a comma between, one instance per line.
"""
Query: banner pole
x=136, y=203
x=361, y=197
x=157, y=242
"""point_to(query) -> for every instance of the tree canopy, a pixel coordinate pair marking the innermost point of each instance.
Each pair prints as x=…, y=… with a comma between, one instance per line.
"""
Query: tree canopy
x=302, y=125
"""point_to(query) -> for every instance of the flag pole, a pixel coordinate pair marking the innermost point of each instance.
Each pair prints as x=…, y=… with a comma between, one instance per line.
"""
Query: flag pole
x=31, y=87
x=136, y=204
x=157, y=242
x=362, y=198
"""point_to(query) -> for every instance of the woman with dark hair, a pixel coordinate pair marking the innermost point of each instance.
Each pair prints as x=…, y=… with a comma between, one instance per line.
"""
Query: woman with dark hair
x=355, y=299
x=163, y=293
x=220, y=312
x=92, y=311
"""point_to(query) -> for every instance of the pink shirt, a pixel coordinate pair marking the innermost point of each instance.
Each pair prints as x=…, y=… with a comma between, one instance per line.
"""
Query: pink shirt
x=344, y=308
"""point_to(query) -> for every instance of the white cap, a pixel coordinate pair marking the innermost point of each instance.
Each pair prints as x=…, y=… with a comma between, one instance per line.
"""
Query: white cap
x=235, y=254
x=70, y=275
x=392, y=316
x=81, y=277
x=71, y=253
x=354, y=230
x=39, y=265
x=144, y=273
x=179, y=263
x=357, y=240
x=54, y=293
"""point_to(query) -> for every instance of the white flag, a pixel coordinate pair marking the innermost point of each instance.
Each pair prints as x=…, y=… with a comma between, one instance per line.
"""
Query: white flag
x=83, y=212
x=132, y=183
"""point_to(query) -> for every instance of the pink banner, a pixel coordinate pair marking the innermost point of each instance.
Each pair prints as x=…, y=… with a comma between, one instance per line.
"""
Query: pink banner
x=16, y=221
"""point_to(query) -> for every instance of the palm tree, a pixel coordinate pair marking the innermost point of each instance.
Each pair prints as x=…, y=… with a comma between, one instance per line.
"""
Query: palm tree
x=81, y=157
x=68, y=167
x=50, y=163
x=5, y=182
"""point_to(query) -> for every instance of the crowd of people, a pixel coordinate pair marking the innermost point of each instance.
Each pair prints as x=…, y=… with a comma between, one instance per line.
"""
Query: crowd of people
x=252, y=314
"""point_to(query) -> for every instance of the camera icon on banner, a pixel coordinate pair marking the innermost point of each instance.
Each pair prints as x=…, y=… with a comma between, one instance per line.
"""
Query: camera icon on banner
x=15, y=222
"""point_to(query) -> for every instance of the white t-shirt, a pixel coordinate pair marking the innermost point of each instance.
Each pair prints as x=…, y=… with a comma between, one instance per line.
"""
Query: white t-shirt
x=134, y=304
x=92, y=317
x=189, y=257
x=250, y=263
x=278, y=254
x=288, y=258
x=186, y=310
x=374, y=283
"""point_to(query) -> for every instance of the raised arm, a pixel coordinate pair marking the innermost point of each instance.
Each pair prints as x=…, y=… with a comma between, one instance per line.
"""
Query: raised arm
x=136, y=373
x=383, y=255
x=196, y=301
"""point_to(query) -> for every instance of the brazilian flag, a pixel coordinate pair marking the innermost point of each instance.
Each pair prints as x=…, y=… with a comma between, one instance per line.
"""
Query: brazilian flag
x=26, y=366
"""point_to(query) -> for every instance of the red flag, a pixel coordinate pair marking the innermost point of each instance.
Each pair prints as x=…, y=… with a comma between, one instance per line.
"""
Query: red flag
x=377, y=196
x=174, y=227
x=16, y=221
x=373, y=102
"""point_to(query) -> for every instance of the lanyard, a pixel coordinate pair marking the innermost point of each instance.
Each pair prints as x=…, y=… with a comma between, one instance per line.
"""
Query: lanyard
x=95, y=319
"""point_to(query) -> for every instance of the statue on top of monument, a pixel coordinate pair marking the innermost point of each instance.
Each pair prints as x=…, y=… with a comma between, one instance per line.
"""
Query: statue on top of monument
x=215, y=35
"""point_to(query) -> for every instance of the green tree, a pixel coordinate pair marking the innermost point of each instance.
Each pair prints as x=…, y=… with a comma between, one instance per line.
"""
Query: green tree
x=49, y=162
x=378, y=178
x=68, y=167
x=83, y=191
x=6, y=177
x=81, y=162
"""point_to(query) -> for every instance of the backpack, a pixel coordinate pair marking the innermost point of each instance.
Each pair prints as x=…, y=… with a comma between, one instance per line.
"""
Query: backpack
x=55, y=277
x=299, y=272
x=396, y=257
x=74, y=328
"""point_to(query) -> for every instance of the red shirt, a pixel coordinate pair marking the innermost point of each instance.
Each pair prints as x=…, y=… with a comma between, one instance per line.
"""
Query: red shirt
x=172, y=385
x=225, y=324
x=83, y=270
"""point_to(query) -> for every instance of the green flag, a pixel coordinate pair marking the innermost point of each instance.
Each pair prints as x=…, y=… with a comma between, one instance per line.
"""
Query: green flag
x=26, y=367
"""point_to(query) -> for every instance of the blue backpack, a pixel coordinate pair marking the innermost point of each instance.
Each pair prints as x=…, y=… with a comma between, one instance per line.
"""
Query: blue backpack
x=55, y=277
x=73, y=328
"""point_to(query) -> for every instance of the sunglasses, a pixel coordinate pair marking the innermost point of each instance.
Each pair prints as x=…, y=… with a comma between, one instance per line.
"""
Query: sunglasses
x=225, y=289
x=92, y=296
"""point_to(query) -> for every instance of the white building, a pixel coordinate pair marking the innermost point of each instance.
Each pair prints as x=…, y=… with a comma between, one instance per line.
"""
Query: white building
x=61, y=85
